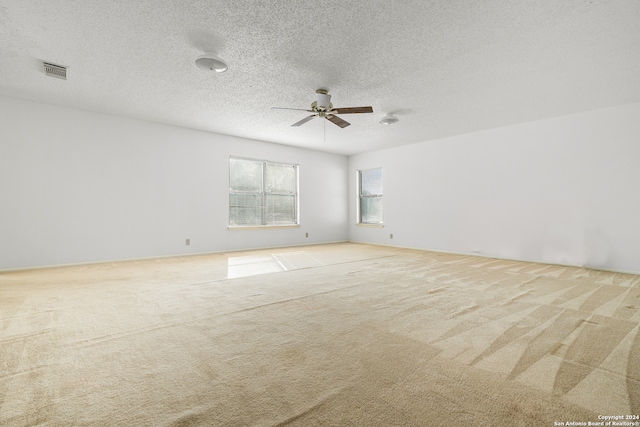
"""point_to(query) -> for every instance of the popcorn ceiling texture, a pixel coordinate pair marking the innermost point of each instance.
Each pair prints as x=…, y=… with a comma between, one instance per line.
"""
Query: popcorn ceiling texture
x=445, y=68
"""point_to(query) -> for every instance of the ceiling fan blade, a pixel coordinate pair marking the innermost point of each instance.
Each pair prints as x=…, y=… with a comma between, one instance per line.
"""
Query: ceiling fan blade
x=294, y=109
x=305, y=120
x=337, y=121
x=352, y=110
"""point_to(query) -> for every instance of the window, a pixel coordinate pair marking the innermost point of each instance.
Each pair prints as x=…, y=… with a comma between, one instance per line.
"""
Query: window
x=262, y=193
x=370, y=196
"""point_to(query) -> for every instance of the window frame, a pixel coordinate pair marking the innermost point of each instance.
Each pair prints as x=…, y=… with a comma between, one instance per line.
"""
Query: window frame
x=264, y=196
x=360, y=198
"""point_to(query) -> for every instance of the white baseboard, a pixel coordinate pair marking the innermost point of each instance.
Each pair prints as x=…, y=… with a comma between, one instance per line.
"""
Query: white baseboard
x=609, y=270
x=73, y=264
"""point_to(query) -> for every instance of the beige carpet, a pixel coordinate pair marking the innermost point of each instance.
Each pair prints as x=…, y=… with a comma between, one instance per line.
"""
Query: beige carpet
x=332, y=335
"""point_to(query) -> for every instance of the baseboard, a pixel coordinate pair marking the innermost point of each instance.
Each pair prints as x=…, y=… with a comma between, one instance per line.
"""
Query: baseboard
x=75, y=264
x=635, y=273
x=608, y=270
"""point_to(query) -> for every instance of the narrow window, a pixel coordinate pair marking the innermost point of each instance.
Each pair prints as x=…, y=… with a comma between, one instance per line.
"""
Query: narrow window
x=370, y=196
x=262, y=193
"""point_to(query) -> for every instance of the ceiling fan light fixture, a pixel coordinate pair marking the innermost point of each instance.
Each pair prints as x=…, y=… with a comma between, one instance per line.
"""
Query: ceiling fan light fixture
x=210, y=62
x=389, y=119
x=323, y=99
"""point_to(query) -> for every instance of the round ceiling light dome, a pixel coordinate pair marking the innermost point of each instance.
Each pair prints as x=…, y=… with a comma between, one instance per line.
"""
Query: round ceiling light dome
x=210, y=62
x=389, y=119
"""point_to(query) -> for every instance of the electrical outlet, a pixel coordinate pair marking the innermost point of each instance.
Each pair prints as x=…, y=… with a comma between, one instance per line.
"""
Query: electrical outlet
x=187, y=242
x=306, y=234
x=391, y=236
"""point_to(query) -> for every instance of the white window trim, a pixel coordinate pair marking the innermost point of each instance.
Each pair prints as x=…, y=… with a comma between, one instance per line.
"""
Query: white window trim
x=358, y=200
x=260, y=227
x=266, y=226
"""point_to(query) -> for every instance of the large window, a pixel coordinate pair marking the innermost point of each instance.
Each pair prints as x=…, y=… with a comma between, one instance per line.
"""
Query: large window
x=262, y=193
x=370, y=196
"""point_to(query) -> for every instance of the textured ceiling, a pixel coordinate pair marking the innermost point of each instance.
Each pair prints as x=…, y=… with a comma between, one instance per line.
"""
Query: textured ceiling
x=444, y=67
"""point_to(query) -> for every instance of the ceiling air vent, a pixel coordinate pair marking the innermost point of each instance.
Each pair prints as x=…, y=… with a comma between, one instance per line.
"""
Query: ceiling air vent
x=53, y=70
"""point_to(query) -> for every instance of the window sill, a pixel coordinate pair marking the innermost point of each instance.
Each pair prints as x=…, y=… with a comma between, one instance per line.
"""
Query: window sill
x=370, y=225
x=260, y=227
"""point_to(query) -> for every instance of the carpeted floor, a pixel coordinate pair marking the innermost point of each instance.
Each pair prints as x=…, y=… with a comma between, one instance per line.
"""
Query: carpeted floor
x=331, y=335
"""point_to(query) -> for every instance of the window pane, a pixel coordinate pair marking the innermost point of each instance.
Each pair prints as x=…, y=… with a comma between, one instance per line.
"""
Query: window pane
x=371, y=210
x=371, y=182
x=262, y=193
x=281, y=209
x=245, y=175
x=281, y=179
x=245, y=209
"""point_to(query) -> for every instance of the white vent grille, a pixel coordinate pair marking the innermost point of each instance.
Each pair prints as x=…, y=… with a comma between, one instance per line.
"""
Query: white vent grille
x=53, y=70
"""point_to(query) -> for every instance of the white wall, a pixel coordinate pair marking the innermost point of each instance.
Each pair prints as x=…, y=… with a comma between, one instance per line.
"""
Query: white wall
x=564, y=190
x=77, y=186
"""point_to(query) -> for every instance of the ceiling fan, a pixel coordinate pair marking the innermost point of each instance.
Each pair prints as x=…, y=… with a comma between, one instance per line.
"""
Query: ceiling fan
x=322, y=107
